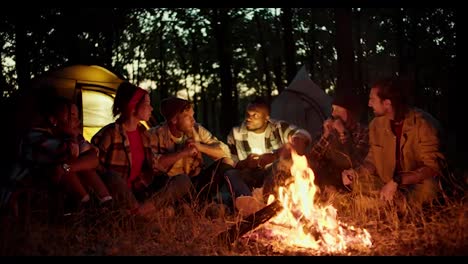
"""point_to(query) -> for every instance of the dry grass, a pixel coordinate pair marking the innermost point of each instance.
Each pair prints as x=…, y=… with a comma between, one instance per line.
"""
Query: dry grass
x=440, y=230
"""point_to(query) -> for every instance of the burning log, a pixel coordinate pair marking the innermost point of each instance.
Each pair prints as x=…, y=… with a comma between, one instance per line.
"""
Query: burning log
x=251, y=222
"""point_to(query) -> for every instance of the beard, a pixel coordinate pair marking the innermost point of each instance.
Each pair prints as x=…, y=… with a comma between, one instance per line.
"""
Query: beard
x=379, y=113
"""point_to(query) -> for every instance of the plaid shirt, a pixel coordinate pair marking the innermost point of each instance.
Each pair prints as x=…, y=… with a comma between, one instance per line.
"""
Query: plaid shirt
x=276, y=134
x=114, y=151
x=356, y=147
x=39, y=149
x=163, y=142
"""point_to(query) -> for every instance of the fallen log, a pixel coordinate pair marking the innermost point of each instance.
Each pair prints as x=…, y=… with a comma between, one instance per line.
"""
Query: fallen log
x=250, y=222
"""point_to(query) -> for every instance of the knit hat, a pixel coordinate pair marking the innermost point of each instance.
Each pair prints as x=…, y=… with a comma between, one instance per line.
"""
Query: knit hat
x=349, y=101
x=172, y=106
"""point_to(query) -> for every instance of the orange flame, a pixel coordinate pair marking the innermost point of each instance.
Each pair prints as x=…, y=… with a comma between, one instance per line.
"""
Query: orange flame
x=303, y=224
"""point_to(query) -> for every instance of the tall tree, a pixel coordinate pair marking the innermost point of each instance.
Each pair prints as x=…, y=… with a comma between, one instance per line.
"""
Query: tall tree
x=264, y=56
x=222, y=28
x=21, y=51
x=357, y=40
x=289, y=46
x=277, y=47
x=344, y=48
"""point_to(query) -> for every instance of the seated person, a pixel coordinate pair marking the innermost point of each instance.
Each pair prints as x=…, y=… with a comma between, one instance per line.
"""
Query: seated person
x=178, y=145
x=54, y=153
x=405, y=158
x=125, y=156
x=259, y=142
x=343, y=144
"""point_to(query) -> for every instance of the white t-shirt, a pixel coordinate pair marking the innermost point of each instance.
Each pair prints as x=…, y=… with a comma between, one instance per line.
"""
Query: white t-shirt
x=256, y=142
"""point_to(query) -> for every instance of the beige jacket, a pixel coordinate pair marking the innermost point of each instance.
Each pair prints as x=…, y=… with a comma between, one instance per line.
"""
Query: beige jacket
x=419, y=146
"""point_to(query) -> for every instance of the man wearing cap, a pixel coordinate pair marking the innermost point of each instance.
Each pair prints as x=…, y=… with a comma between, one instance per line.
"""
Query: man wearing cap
x=343, y=144
x=179, y=143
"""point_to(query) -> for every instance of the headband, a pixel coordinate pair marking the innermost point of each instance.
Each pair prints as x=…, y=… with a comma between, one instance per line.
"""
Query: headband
x=139, y=93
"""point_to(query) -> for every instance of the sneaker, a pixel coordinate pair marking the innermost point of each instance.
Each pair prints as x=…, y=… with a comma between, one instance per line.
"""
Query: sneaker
x=247, y=205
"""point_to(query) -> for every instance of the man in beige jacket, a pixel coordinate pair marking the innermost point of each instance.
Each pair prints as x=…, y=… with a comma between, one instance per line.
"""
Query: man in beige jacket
x=404, y=148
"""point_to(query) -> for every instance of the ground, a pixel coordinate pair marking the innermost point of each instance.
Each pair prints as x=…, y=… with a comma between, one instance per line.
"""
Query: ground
x=438, y=230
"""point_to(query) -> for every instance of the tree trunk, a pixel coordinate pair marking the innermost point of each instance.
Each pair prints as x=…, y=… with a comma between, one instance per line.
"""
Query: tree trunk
x=264, y=55
x=277, y=62
x=235, y=109
x=136, y=70
x=418, y=92
x=222, y=32
x=21, y=52
x=214, y=116
x=109, y=39
x=289, y=47
x=344, y=48
x=163, y=91
x=205, y=117
x=402, y=43
x=76, y=54
x=359, y=76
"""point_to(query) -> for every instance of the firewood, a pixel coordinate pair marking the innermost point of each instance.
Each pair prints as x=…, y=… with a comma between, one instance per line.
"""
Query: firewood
x=250, y=222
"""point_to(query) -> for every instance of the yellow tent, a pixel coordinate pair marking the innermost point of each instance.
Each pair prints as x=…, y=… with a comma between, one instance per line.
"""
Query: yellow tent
x=91, y=87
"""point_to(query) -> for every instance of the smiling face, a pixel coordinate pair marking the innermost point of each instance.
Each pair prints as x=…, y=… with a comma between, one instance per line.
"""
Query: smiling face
x=256, y=117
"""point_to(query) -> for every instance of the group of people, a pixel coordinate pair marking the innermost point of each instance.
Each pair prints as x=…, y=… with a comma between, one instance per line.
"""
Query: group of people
x=126, y=163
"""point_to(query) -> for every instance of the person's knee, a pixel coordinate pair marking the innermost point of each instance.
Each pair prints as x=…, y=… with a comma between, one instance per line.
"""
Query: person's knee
x=232, y=173
x=227, y=161
x=239, y=187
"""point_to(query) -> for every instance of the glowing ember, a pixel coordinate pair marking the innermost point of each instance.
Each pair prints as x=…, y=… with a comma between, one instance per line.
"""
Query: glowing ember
x=302, y=224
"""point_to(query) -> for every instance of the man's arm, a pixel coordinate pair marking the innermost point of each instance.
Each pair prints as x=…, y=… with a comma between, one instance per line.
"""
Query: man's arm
x=289, y=131
x=231, y=143
x=429, y=153
x=163, y=161
x=210, y=145
x=367, y=166
x=166, y=160
x=319, y=149
x=86, y=161
x=361, y=145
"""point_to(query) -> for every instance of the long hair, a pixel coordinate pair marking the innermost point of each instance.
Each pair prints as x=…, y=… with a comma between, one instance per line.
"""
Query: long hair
x=397, y=91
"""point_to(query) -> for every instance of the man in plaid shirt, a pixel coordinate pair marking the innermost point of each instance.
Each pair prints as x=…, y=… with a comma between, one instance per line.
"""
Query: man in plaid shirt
x=178, y=147
x=343, y=144
x=258, y=142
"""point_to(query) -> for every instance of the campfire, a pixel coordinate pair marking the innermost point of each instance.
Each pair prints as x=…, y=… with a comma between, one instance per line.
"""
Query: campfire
x=300, y=224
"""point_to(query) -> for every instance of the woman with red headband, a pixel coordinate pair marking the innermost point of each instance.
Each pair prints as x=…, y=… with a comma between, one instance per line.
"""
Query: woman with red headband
x=124, y=148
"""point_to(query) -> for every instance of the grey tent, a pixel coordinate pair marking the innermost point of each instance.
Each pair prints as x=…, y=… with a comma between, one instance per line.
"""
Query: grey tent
x=303, y=104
